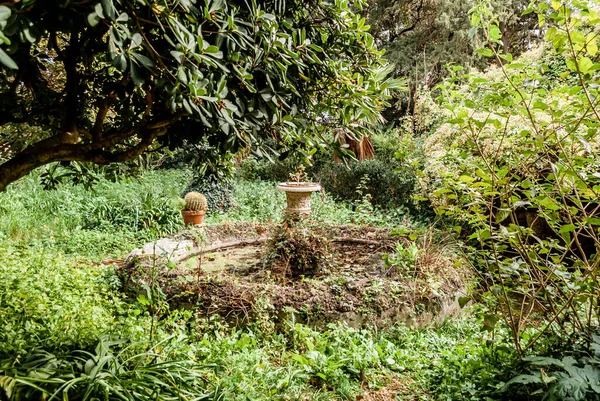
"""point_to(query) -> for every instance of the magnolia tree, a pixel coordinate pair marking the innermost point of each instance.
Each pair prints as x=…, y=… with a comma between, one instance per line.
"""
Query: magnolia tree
x=107, y=80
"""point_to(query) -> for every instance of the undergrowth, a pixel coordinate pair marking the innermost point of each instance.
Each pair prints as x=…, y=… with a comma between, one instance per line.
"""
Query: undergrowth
x=338, y=363
x=59, y=306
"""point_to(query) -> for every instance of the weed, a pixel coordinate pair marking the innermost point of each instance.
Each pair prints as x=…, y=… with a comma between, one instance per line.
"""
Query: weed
x=403, y=259
x=105, y=373
x=299, y=248
x=574, y=377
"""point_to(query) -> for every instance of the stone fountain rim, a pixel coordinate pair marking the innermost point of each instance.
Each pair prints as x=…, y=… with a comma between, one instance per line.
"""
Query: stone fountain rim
x=290, y=186
x=178, y=248
x=182, y=246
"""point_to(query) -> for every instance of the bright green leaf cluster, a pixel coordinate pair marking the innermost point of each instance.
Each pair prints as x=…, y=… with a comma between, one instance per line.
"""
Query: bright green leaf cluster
x=520, y=177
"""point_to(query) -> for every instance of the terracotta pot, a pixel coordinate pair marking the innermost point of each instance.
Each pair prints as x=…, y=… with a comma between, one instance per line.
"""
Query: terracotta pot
x=193, y=217
x=298, y=197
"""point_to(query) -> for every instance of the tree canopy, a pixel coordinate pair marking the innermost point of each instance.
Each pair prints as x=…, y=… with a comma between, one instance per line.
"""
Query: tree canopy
x=107, y=80
x=421, y=37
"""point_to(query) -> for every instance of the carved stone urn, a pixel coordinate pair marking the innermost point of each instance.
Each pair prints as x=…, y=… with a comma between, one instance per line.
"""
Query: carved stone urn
x=298, y=197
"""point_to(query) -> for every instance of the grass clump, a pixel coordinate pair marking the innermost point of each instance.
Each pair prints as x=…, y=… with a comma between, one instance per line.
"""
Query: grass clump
x=116, y=215
x=105, y=373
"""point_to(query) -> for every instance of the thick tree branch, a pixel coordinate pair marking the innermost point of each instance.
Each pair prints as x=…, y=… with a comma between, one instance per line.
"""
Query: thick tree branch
x=54, y=149
x=402, y=32
x=105, y=157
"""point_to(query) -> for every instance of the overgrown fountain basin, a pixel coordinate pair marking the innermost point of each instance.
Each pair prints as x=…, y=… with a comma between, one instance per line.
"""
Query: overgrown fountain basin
x=224, y=270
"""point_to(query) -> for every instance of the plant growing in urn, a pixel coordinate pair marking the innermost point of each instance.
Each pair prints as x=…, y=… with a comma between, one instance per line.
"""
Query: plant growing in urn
x=298, y=192
x=195, y=208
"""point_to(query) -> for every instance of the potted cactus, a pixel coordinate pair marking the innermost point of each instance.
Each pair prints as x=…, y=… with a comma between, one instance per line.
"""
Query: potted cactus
x=195, y=208
x=298, y=192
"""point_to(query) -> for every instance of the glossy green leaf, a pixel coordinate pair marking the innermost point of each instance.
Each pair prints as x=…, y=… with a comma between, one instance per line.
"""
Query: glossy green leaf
x=7, y=61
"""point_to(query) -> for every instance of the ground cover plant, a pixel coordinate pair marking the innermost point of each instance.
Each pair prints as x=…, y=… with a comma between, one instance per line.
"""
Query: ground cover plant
x=58, y=303
x=507, y=158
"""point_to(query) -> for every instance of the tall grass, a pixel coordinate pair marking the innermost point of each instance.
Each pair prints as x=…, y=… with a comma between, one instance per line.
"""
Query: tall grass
x=103, y=222
x=259, y=201
x=115, y=217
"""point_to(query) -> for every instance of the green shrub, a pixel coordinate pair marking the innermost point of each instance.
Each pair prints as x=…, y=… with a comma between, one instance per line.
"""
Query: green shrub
x=518, y=176
x=456, y=361
x=259, y=201
x=218, y=192
x=266, y=170
x=392, y=182
x=574, y=378
x=49, y=301
x=149, y=211
x=121, y=213
x=256, y=201
x=403, y=258
x=386, y=187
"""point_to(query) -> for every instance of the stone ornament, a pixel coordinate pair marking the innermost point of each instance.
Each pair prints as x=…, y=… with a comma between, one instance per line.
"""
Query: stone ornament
x=298, y=197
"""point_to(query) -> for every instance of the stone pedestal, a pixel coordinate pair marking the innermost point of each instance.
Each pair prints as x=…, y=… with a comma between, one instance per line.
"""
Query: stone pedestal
x=298, y=197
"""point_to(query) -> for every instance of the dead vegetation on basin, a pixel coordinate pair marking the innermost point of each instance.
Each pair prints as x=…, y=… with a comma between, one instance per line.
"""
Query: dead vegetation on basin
x=243, y=272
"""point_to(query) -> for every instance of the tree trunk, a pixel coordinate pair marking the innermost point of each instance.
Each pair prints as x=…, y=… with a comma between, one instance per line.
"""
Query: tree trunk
x=55, y=149
x=14, y=169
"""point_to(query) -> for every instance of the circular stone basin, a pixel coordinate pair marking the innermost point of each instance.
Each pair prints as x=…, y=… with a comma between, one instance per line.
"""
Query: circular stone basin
x=229, y=274
x=237, y=260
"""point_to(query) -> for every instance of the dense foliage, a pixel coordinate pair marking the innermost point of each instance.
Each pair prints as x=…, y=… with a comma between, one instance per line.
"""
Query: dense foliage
x=218, y=192
x=508, y=158
x=105, y=79
x=422, y=37
x=65, y=320
x=521, y=178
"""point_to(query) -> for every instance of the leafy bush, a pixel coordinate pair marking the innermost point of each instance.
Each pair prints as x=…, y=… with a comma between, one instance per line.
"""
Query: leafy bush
x=386, y=187
x=519, y=178
x=403, y=258
x=255, y=201
x=252, y=168
x=259, y=201
x=340, y=357
x=562, y=379
x=456, y=361
x=218, y=192
x=150, y=211
x=574, y=374
x=48, y=302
